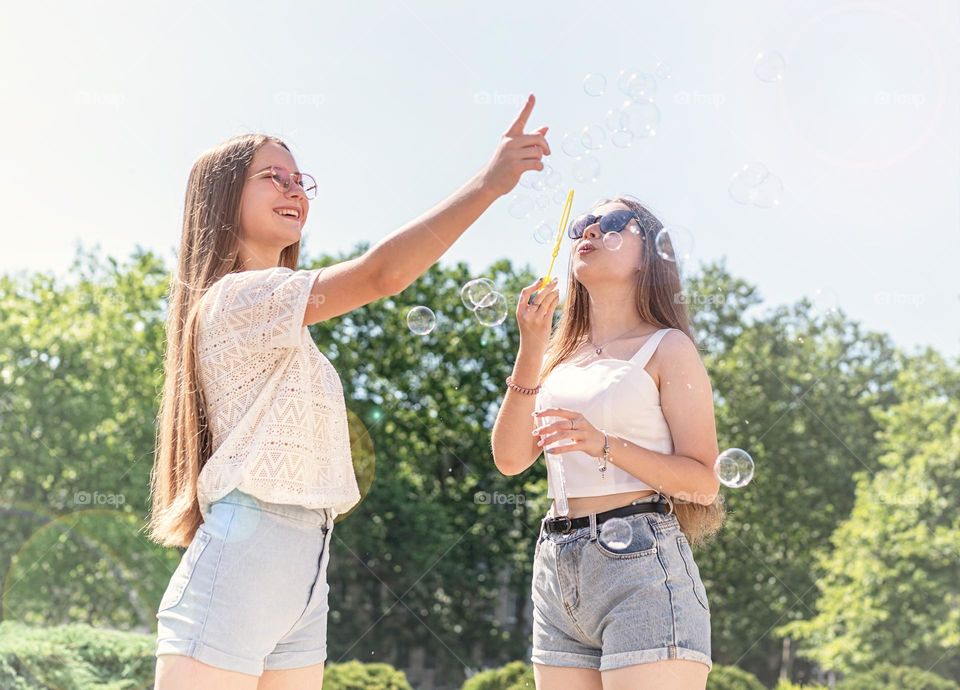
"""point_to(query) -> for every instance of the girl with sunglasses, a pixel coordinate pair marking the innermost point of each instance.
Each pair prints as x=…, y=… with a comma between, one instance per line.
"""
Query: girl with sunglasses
x=253, y=458
x=618, y=400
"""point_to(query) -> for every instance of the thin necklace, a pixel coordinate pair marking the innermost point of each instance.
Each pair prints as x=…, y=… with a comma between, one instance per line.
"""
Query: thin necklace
x=599, y=348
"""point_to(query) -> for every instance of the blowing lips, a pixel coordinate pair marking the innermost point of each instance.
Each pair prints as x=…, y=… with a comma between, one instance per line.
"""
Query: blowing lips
x=585, y=248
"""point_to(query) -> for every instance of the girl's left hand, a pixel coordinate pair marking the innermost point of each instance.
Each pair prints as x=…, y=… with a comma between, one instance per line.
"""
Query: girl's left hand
x=586, y=436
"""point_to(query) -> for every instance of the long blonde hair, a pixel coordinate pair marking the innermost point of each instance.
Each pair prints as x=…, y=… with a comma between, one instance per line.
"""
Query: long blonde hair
x=659, y=302
x=208, y=251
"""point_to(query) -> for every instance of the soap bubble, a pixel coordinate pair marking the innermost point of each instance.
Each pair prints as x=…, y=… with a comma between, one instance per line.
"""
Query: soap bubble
x=612, y=121
x=612, y=241
x=825, y=301
x=745, y=180
x=492, y=310
x=734, y=468
x=769, y=66
x=520, y=206
x=754, y=184
x=640, y=116
x=551, y=177
x=594, y=84
x=640, y=85
x=624, y=78
x=475, y=291
x=592, y=137
x=481, y=297
x=674, y=243
x=616, y=534
x=586, y=168
x=543, y=233
x=540, y=180
x=421, y=320
x=622, y=138
x=769, y=193
x=663, y=71
x=542, y=200
x=571, y=145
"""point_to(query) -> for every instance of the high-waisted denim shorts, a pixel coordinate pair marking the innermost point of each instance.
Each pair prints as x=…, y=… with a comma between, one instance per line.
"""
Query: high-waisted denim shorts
x=250, y=591
x=604, y=608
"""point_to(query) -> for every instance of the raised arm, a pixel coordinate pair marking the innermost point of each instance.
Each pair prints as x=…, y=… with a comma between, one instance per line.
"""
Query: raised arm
x=404, y=255
x=512, y=441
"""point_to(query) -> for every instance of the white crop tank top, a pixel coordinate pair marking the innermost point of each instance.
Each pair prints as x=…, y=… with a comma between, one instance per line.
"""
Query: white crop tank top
x=617, y=395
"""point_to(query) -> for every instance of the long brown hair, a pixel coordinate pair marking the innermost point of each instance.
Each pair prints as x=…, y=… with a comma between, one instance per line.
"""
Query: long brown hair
x=209, y=250
x=659, y=302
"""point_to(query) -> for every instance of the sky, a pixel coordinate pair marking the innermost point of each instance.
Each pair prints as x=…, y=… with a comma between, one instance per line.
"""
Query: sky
x=393, y=105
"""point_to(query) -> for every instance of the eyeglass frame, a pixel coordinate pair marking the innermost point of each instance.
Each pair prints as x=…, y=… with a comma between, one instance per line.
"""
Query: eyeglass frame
x=299, y=182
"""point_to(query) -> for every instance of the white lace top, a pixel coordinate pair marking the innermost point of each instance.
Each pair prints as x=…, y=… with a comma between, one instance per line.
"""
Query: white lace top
x=275, y=404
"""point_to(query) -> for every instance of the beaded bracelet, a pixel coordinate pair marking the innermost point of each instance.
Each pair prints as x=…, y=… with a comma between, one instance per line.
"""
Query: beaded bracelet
x=521, y=389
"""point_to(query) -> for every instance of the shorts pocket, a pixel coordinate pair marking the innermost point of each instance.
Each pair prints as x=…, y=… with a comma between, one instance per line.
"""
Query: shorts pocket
x=693, y=570
x=540, y=537
x=626, y=539
x=181, y=576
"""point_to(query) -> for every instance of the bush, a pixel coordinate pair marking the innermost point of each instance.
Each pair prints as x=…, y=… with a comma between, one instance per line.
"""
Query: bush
x=74, y=657
x=787, y=685
x=516, y=675
x=732, y=678
x=890, y=677
x=353, y=675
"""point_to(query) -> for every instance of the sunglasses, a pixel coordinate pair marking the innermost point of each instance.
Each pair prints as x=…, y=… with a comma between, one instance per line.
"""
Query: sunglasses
x=615, y=221
x=283, y=178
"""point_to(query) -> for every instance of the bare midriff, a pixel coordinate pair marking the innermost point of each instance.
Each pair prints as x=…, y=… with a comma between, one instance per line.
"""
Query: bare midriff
x=584, y=505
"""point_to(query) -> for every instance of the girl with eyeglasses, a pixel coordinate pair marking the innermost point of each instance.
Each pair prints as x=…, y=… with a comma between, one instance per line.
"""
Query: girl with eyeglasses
x=618, y=401
x=253, y=459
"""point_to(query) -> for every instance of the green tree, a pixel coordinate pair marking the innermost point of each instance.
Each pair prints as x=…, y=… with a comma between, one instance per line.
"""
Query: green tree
x=889, y=590
x=795, y=389
x=80, y=364
x=437, y=557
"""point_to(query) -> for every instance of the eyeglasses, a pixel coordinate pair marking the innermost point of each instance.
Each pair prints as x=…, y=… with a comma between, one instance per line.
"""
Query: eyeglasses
x=282, y=178
x=615, y=221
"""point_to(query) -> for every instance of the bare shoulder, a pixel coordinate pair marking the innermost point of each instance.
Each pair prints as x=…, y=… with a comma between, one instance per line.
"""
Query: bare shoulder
x=676, y=343
x=676, y=353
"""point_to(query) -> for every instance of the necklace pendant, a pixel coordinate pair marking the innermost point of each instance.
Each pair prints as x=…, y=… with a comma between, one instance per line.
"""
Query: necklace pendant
x=599, y=349
x=602, y=469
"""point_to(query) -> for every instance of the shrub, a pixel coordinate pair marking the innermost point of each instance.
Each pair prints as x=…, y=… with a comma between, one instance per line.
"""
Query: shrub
x=516, y=675
x=732, y=678
x=890, y=677
x=354, y=675
x=74, y=657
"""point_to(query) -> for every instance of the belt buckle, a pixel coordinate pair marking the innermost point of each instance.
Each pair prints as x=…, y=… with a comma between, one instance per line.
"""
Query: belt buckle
x=567, y=527
x=669, y=502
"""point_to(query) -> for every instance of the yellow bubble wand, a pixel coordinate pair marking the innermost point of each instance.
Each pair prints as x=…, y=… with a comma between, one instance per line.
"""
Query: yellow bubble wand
x=556, y=245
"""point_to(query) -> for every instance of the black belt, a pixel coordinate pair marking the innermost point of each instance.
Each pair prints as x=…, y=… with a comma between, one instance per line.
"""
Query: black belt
x=567, y=524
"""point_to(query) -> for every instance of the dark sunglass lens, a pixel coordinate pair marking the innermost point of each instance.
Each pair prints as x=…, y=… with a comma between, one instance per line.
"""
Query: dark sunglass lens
x=576, y=228
x=615, y=221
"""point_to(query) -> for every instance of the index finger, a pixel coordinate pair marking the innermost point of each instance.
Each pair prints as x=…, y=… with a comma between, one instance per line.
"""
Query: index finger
x=517, y=127
x=555, y=412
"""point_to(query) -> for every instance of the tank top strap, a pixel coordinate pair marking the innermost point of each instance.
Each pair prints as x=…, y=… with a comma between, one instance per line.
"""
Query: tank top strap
x=646, y=352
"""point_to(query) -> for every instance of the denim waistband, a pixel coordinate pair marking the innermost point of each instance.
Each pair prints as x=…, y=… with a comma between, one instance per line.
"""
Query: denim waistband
x=652, y=498
x=316, y=516
x=592, y=528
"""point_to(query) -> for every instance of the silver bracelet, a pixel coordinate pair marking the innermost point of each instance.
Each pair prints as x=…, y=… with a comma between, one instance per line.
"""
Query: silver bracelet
x=602, y=461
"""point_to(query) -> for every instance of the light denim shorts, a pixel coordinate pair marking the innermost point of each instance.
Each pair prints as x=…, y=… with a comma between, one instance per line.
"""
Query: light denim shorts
x=603, y=608
x=250, y=591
